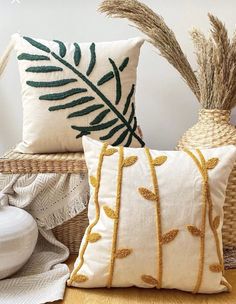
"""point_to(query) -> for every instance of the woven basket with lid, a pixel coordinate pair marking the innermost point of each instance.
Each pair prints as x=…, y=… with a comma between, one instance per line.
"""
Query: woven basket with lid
x=213, y=129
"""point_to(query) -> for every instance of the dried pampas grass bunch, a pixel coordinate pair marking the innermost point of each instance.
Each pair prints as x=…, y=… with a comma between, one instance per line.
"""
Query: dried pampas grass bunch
x=160, y=35
x=214, y=83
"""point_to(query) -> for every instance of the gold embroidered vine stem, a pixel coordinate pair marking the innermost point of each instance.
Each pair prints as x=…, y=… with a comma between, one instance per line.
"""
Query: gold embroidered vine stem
x=202, y=238
x=116, y=220
x=203, y=172
x=217, y=241
x=117, y=213
x=210, y=211
x=158, y=218
x=96, y=202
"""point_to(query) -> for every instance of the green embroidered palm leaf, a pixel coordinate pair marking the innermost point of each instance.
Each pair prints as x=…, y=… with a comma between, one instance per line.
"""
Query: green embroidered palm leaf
x=126, y=126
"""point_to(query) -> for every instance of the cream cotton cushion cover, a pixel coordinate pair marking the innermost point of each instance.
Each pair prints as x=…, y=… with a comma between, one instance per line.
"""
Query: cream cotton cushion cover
x=75, y=89
x=155, y=218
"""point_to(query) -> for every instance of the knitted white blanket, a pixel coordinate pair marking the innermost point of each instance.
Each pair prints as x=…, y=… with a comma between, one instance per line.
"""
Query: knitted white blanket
x=51, y=199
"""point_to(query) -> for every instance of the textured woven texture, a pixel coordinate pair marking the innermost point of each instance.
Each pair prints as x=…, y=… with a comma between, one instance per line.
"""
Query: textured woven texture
x=13, y=162
x=213, y=130
x=71, y=232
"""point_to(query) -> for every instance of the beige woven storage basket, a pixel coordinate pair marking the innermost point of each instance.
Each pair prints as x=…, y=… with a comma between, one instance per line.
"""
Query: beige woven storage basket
x=71, y=232
x=213, y=130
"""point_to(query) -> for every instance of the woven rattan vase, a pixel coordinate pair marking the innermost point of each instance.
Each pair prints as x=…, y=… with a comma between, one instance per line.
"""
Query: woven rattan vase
x=213, y=129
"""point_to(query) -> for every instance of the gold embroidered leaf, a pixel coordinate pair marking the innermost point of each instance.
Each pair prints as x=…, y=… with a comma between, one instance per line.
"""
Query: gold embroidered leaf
x=169, y=236
x=93, y=181
x=158, y=161
x=94, y=237
x=80, y=278
x=129, y=161
x=110, y=151
x=122, y=253
x=212, y=162
x=216, y=222
x=216, y=267
x=194, y=230
x=110, y=212
x=149, y=280
x=147, y=194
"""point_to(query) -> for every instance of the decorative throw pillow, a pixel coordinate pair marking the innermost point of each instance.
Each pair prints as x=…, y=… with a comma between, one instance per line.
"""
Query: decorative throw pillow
x=75, y=89
x=155, y=218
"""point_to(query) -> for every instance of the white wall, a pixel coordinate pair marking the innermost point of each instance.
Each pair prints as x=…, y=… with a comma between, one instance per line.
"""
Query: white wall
x=165, y=105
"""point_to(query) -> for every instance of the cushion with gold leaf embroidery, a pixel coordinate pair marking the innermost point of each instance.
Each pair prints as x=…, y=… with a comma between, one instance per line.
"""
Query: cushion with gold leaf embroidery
x=75, y=89
x=155, y=218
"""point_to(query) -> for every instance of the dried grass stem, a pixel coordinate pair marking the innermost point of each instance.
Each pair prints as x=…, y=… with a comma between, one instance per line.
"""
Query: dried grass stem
x=214, y=83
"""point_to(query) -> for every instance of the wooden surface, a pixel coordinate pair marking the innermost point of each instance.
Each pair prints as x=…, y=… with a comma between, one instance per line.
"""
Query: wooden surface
x=145, y=296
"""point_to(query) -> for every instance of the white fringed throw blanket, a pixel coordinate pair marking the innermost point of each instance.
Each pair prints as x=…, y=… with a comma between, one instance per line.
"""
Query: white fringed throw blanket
x=51, y=199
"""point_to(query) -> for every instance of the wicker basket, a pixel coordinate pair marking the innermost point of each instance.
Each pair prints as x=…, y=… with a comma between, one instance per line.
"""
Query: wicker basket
x=213, y=130
x=71, y=232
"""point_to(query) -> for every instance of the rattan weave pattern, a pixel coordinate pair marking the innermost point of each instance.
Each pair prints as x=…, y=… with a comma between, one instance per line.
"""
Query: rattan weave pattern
x=71, y=232
x=13, y=162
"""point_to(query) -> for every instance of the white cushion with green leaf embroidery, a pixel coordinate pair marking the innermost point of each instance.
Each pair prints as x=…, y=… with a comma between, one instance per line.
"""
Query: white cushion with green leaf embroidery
x=75, y=89
x=155, y=218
